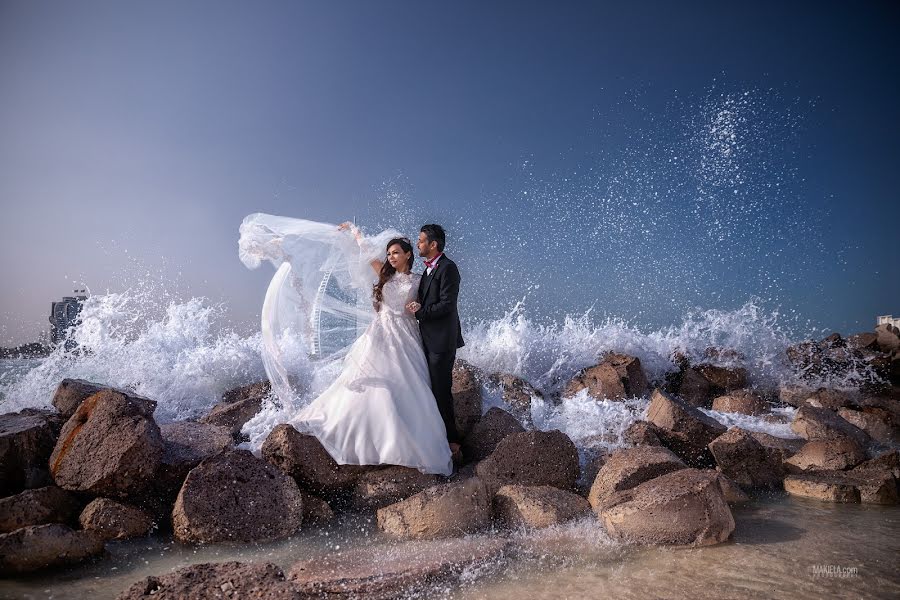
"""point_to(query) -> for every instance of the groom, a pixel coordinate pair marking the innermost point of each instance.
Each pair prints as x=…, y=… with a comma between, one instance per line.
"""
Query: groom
x=439, y=322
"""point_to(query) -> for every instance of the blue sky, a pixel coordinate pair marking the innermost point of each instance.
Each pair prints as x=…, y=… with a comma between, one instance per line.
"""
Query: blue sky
x=578, y=153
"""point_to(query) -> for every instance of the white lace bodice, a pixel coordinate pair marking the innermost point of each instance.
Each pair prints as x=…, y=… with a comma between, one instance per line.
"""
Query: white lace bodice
x=399, y=290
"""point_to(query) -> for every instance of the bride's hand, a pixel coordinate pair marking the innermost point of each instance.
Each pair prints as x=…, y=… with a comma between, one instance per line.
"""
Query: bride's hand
x=413, y=307
x=353, y=228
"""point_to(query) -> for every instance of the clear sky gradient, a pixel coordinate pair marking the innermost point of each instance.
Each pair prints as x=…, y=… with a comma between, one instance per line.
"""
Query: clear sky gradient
x=576, y=143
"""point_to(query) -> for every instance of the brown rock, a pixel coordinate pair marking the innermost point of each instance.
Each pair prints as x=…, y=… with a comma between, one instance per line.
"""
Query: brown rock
x=822, y=455
x=72, y=392
x=641, y=433
x=467, y=397
x=863, y=341
x=111, y=447
x=683, y=508
x=724, y=378
x=695, y=389
x=813, y=423
x=380, y=488
x=732, y=492
x=745, y=461
x=794, y=394
x=404, y=570
x=616, y=377
x=446, y=510
x=186, y=444
x=495, y=425
x=630, y=467
x=517, y=393
x=831, y=398
x=876, y=424
x=261, y=503
x=113, y=520
x=830, y=486
x=531, y=458
x=886, y=461
x=316, y=510
x=26, y=442
x=38, y=507
x=745, y=402
x=783, y=448
x=887, y=338
x=305, y=459
x=42, y=546
x=256, y=390
x=215, y=581
x=234, y=415
x=537, y=506
x=683, y=429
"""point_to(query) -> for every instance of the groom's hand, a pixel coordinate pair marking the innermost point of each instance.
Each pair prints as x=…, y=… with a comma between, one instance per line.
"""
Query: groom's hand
x=413, y=307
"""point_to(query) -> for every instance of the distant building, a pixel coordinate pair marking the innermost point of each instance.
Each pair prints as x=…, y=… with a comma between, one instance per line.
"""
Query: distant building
x=890, y=320
x=63, y=315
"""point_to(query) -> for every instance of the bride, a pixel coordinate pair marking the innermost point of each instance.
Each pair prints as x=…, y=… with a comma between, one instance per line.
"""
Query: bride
x=380, y=409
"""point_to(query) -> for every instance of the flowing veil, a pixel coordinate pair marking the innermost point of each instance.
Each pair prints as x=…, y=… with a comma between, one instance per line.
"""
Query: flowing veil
x=320, y=295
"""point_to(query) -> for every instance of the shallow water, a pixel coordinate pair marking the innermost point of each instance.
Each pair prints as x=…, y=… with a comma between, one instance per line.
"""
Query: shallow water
x=782, y=547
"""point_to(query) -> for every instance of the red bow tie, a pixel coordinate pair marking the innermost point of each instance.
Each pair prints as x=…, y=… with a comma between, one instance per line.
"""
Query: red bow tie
x=430, y=263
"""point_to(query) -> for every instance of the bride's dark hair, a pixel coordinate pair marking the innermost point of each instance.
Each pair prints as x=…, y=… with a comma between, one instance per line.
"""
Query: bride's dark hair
x=387, y=271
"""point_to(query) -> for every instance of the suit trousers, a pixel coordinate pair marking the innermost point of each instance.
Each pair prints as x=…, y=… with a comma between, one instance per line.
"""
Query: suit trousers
x=440, y=367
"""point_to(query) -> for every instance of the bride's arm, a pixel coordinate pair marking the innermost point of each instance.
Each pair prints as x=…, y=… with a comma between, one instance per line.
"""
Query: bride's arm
x=376, y=264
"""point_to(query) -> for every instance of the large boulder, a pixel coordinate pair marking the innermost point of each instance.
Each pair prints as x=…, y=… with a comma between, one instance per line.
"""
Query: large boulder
x=517, y=393
x=41, y=546
x=186, y=445
x=38, y=507
x=234, y=415
x=304, y=458
x=641, y=433
x=110, y=447
x=724, y=378
x=446, y=510
x=616, y=377
x=406, y=570
x=70, y=393
x=261, y=503
x=26, y=442
x=745, y=461
x=813, y=423
x=887, y=338
x=316, y=510
x=784, y=448
x=744, y=401
x=495, y=425
x=215, y=581
x=683, y=429
x=260, y=389
x=823, y=455
x=537, y=505
x=532, y=458
x=868, y=486
x=874, y=422
x=630, y=467
x=467, y=397
x=682, y=508
x=377, y=489
x=113, y=520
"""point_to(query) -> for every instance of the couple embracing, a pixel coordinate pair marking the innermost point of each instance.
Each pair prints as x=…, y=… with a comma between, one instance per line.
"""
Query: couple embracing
x=391, y=403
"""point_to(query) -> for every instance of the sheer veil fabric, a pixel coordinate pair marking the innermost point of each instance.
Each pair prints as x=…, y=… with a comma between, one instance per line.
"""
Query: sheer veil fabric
x=380, y=409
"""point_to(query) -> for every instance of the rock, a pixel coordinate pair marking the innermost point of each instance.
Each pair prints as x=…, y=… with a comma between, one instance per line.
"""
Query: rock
x=261, y=503
x=886, y=461
x=38, y=507
x=41, y=546
x=186, y=444
x=641, y=433
x=70, y=393
x=113, y=520
x=467, y=397
x=214, y=581
x=830, y=486
x=260, y=389
x=630, y=467
x=110, y=447
x=616, y=377
x=404, y=570
x=234, y=415
x=26, y=442
x=316, y=510
x=876, y=424
x=732, y=492
x=877, y=487
x=783, y=448
x=517, y=393
x=531, y=458
x=887, y=338
x=831, y=398
x=822, y=455
x=592, y=462
x=495, y=425
x=537, y=506
x=683, y=429
x=813, y=423
x=863, y=341
x=305, y=459
x=380, y=488
x=883, y=406
x=446, y=510
x=745, y=461
x=695, y=389
x=794, y=394
x=724, y=378
x=683, y=508
x=746, y=402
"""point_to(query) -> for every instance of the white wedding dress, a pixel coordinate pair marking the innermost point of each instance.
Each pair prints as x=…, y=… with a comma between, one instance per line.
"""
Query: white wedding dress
x=380, y=408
